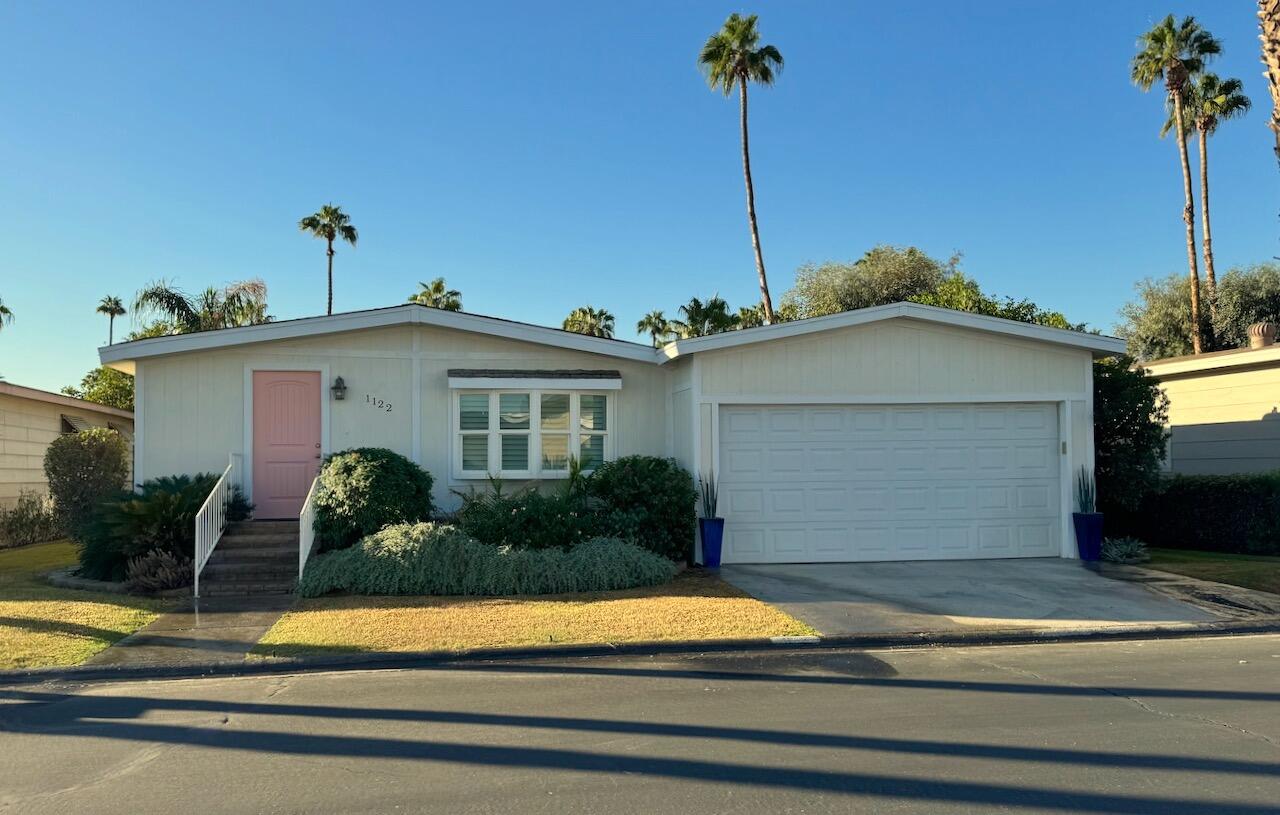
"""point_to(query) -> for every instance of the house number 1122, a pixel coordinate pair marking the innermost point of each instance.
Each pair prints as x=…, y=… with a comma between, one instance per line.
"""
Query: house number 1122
x=375, y=402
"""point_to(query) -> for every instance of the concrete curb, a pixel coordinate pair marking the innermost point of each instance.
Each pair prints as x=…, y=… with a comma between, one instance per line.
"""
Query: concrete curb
x=473, y=658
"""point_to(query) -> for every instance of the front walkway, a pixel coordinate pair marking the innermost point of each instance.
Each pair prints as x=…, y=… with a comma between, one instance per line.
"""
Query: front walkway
x=218, y=630
x=958, y=595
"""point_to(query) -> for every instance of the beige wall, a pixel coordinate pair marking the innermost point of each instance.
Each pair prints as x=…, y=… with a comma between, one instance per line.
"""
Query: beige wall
x=27, y=426
x=193, y=412
x=1224, y=421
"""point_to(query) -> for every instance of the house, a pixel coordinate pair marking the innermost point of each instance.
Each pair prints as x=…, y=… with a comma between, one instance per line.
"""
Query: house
x=30, y=419
x=1224, y=407
x=892, y=433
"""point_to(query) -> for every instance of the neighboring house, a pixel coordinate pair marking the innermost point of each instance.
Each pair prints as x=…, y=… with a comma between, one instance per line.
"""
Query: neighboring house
x=893, y=433
x=30, y=419
x=1224, y=408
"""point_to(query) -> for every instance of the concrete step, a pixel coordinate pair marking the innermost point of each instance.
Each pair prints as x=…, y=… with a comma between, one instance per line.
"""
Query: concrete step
x=252, y=589
x=257, y=538
x=281, y=570
x=263, y=526
x=254, y=554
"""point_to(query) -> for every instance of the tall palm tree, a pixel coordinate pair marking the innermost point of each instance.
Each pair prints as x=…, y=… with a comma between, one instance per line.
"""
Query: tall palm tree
x=733, y=58
x=6, y=315
x=699, y=319
x=750, y=316
x=656, y=325
x=241, y=303
x=1269, y=22
x=436, y=295
x=594, y=322
x=113, y=308
x=331, y=224
x=1174, y=52
x=1209, y=101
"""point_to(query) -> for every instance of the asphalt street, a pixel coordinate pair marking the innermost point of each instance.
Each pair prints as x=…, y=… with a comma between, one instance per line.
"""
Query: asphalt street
x=1173, y=727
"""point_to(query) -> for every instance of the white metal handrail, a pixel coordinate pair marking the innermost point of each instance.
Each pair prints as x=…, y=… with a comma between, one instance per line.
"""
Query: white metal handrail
x=306, y=527
x=211, y=520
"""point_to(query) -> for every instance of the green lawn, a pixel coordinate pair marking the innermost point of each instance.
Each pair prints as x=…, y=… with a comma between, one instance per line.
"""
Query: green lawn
x=1249, y=571
x=42, y=626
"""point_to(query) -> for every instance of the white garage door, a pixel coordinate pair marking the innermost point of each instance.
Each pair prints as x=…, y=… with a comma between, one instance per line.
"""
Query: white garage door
x=803, y=484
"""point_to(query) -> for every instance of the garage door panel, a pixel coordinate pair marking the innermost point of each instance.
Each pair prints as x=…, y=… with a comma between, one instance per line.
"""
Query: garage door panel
x=839, y=483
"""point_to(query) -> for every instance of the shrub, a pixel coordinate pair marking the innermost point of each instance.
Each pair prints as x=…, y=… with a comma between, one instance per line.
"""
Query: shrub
x=1215, y=513
x=438, y=559
x=161, y=516
x=159, y=570
x=529, y=519
x=1129, y=415
x=1125, y=550
x=364, y=489
x=84, y=468
x=648, y=500
x=31, y=520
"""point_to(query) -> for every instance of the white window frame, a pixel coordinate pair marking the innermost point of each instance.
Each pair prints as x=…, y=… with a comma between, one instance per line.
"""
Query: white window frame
x=534, y=433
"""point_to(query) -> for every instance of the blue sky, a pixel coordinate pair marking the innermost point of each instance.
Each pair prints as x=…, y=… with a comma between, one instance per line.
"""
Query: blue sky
x=542, y=156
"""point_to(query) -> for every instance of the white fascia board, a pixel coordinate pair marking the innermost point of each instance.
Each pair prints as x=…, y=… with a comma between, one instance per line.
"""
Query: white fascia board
x=490, y=383
x=408, y=314
x=1100, y=345
x=1213, y=361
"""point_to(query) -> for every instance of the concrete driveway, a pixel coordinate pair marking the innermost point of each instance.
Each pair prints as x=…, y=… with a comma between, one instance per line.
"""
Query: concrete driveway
x=932, y=596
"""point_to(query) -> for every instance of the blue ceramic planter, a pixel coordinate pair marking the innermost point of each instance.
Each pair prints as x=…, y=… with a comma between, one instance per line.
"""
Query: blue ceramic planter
x=1088, y=535
x=712, y=531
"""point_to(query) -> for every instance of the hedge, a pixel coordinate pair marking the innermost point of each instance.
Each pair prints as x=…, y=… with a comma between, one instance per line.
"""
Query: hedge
x=430, y=558
x=1213, y=513
x=364, y=489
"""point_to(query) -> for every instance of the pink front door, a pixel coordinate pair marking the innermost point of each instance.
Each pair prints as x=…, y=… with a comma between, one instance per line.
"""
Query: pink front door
x=286, y=440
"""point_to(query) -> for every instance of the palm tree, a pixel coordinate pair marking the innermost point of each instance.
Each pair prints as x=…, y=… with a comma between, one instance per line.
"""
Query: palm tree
x=594, y=322
x=113, y=308
x=1174, y=52
x=733, y=58
x=700, y=319
x=241, y=303
x=6, y=315
x=1269, y=21
x=656, y=325
x=436, y=295
x=750, y=316
x=1209, y=101
x=331, y=224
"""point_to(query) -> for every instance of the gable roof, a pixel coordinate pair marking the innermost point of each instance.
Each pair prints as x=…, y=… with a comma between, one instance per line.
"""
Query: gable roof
x=1101, y=346
x=122, y=355
x=62, y=400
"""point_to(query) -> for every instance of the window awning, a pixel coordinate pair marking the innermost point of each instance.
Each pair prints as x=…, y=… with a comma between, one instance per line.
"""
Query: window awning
x=533, y=379
x=74, y=424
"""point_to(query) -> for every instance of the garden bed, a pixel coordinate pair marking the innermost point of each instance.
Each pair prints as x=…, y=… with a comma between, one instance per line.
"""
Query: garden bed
x=697, y=605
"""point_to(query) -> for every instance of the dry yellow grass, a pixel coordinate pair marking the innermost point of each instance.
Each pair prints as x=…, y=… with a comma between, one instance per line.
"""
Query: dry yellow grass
x=42, y=626
x=693, y=606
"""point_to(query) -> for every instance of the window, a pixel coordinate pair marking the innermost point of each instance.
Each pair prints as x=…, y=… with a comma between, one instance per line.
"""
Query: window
x=529, y=434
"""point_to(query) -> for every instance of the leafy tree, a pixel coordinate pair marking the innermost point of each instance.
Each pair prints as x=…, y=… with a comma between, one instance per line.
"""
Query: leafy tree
x=105, y=386
x=751, y=316
x=656, y=325
x=6, y=315
x=885, y=274
x=1174, y=52
x=1158, y=323
x=961, y=293
x=594, y=322
x=239, y=304
x=330, y=223
x=733, y=58
x=113, y=308
x=1209, y=101
x=437, y=295
x=699, y=319
x=1129, y=436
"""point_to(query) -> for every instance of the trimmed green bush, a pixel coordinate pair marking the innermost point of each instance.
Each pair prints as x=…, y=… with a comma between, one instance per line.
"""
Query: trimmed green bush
x=437, y=559
x=364, y=489
x=648, y=500
x=160, y=517
x=30, y=520
x=1213, y=513
x=529, y=519
x=84, y=468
